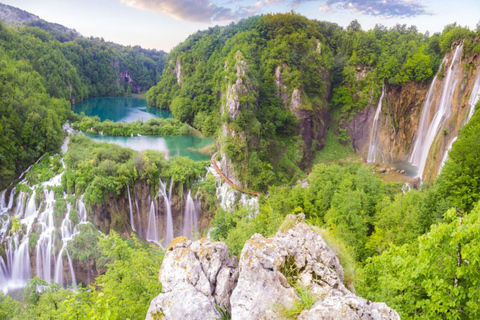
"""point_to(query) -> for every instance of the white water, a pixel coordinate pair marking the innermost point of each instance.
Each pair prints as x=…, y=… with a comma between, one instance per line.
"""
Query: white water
x=35, y=223
x=427, y=130
x=132, y=223
x=191, y=216
x=445, y=156
x=373, y=149
x=474, y=96
x=227, y=196
x=152, y=228
x=167, y=198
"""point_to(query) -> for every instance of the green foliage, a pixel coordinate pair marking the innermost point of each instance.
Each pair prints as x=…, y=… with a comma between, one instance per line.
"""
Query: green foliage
x=31, y=121
x=124, y=291
x=434, y=277
x=9, y=307
x=459, y=180
x=84, y=246
x=41, y=75
x=160, y=127
x=334, y=150
x=98, y=170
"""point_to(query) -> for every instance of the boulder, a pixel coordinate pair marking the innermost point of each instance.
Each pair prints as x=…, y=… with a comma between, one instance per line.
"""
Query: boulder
x=296, y=255
x=196, y=277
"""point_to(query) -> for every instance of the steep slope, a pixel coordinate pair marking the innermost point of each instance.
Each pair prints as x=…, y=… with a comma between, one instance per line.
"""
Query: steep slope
x=271, y=73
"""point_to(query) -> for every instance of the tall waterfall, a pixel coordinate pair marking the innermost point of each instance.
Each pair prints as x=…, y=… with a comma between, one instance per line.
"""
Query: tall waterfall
x=167, y=198
x=191, y=216
x=132, y=223
x=428, y=130
x=373, y=149
x=472, y=101
x=152, y=228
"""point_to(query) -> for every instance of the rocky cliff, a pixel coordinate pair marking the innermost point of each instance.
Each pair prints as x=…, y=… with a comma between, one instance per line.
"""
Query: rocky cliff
x=399, y=123
x=200, y=281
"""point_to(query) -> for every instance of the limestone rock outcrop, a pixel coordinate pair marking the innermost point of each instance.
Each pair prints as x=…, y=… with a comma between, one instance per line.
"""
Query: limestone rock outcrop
x=197, y=275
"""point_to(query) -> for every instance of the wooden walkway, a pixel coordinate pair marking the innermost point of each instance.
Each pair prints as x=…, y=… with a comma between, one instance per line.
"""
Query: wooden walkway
x=214, y=162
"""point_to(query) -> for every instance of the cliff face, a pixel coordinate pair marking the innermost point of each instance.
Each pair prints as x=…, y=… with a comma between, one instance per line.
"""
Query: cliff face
x=197, y=276
x=312, y=121
x=240, y=97
x=399, y=123
x=114, y=213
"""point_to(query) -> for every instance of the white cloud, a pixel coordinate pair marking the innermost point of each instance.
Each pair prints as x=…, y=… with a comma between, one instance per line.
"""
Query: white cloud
x=188, y=10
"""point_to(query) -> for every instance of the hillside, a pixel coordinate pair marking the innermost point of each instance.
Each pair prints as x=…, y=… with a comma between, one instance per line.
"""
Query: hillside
x=267, y=87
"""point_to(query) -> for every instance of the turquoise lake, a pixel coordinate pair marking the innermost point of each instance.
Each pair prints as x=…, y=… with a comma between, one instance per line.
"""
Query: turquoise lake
x=120, y=109
x=125, y=109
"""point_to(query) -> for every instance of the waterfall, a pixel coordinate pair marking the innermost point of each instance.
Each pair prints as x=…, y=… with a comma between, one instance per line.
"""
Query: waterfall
x=167, y=198
x=131, y=209
x=428, y=130
x=227, y=196
x=474, y=96
x=445, y=156
x=152, y=228
x=191, y=216
x=373, y=149
x=472, y=101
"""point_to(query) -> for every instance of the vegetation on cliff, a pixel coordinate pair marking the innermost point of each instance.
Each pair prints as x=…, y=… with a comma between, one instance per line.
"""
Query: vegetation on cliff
x=327, y=64
x=124, y=291
x=100, y=169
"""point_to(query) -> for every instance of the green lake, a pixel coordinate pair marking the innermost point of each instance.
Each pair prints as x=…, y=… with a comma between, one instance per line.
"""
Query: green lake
x=125, y=109
x=120, y=109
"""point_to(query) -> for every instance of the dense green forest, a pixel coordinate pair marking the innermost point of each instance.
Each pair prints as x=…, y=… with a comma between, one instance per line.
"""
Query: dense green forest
x=333, y=67
x=415, y=250
x=41, y=76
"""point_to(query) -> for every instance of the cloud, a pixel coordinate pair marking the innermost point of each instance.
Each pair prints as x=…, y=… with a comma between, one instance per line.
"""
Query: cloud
x=383, y=8
x=191, y=10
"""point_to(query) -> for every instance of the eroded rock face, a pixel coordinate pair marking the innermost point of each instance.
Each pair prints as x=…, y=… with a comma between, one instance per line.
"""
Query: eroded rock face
x=263, y=290
x=195, y=276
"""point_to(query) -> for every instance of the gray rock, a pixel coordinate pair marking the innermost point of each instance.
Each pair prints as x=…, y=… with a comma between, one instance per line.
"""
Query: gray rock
x=262, y=291
x=195, y=276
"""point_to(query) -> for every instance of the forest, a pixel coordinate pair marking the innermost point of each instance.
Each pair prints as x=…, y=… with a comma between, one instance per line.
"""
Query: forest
x=414, y=249
x=42, y=76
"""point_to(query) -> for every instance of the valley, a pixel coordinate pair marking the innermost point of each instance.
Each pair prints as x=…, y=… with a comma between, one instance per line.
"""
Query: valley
x=277, y=167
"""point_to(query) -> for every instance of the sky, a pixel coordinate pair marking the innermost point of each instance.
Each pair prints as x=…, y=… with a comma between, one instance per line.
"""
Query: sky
x=162, y=24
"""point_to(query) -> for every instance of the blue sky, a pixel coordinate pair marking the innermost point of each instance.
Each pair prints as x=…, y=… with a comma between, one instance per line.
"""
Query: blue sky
x=162, y=24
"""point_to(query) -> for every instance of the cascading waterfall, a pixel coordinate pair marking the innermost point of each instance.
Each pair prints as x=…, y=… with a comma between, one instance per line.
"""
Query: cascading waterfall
x=226, y=196
x=167, y=198
x=37, y=225
x=191, y=216
x=152, y=228
x=472, y=101
x=132, y=223
x=428, y=130
x=373, y=149
x=474, y=96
